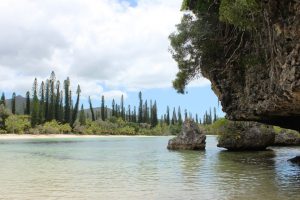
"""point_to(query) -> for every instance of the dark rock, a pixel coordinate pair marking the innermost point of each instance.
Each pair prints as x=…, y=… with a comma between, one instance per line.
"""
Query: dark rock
x=239, y=136
x=190, y=138
x=266, y=92
x=287, y=138
x=295, y=160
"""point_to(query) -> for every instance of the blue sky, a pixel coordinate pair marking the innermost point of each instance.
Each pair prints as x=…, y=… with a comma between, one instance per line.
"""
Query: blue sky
x=197, y=100
x=132, y=3
x=109, y=47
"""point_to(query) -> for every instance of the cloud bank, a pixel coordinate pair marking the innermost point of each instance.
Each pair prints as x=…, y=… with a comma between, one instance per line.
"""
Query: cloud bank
x=97, y=43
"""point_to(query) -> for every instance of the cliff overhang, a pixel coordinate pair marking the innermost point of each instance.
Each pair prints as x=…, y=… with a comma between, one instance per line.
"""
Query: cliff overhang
x=269, y=92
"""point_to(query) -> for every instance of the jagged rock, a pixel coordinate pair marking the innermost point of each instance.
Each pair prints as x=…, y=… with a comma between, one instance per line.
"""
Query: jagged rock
x=190, y=138
x=265, y=92
x=287, y=138
x=246, y=136
x=295, y=160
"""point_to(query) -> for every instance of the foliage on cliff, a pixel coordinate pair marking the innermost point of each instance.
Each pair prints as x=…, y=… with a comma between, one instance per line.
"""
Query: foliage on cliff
x=217, y=34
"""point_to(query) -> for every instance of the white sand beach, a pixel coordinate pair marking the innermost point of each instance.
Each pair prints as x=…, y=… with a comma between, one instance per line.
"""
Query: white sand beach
x=50, y=136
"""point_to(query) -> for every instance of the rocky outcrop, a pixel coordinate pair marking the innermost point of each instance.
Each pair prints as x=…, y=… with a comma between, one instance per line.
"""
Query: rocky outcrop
x=287, y=138
x=268, y=91
x=190, y=138
x=295, y=160
x=237, y=136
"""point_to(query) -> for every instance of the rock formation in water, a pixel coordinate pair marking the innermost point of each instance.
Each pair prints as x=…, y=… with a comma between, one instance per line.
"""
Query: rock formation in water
x=190, y=138
x=267, y=92
x=250, y=51
x=287, y=138
x=239, y=136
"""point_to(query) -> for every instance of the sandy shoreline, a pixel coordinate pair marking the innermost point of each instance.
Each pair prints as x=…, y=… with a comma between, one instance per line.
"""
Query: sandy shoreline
x=45, y=136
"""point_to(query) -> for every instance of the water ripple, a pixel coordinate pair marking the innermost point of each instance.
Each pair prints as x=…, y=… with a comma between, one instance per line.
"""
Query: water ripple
x=142, y=168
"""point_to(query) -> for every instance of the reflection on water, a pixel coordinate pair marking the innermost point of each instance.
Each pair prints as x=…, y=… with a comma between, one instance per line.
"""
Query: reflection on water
x=142, y=168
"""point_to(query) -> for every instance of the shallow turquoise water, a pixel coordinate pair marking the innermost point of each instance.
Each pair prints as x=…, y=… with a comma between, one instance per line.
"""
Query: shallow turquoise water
x=137, y=168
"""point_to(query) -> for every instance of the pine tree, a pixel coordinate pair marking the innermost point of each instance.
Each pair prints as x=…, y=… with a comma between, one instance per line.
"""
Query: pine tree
x=42, y=103
x=150, y=112
x=122, y=107
x=168, y=116
x=206, y=118
x=140, y=116
x=117, y=110
x=61, y=107
x=52, y=96
x=146, y=115
x=129, y=114
x=75, y=110
x=3, y=101
x=210, y=116
x=67, y=100
x=174, y=117
x=82, y=118
x=154, y=120
x=35, y=105
x=215, y=114
x=47, y=101
x=185, y=115
x=197, y=121
x=13, y=103
x=134, y=114
x=113, y=104
x=161, y=120
x=27, y=108
x=91, y=109
x=106, y=113
x=179, y=116
x=102, y=108
x=98, y=115
x=57, y=102
x=71, y=106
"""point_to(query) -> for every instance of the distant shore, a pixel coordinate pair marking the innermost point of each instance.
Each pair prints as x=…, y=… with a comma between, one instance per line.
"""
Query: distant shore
x=51, y=136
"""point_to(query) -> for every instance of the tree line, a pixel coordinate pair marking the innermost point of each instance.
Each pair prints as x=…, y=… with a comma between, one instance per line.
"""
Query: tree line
x=52, y=100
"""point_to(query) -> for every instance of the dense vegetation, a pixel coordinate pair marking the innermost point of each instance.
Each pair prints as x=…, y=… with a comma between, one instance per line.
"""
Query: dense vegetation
x=50, y=109
x=218, y=34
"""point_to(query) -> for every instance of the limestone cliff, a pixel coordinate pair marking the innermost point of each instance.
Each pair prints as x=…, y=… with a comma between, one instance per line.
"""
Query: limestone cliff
x=269, y=92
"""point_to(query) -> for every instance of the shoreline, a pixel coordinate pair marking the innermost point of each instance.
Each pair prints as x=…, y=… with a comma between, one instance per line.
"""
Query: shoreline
x=62, y=136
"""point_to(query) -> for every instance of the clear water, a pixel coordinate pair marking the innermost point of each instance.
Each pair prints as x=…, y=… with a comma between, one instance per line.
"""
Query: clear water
x=142, y=168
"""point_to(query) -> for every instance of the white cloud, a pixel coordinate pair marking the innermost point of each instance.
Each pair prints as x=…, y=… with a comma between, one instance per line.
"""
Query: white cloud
x=95, y=42
x=114, y=94
x=199, y=82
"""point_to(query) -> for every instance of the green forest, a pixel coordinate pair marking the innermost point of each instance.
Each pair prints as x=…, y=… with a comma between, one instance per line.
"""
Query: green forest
x=51, y=108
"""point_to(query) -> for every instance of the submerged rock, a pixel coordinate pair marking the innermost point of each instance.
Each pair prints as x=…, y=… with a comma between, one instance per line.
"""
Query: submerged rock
x=295, y=160
x=238, y=136
x=287, y=138
x=190, y=138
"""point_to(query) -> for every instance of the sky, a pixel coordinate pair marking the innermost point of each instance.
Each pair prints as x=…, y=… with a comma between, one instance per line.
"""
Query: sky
x=109, y=47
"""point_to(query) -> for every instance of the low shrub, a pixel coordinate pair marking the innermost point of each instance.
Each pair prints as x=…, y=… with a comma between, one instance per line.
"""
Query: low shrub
x=53, y=127
x=3, y=131
x=17, y=124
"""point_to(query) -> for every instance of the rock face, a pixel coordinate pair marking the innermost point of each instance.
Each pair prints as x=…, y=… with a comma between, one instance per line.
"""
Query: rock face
x=190, y=138
x=266, y=92
x=246, y=136
x=287, y=138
